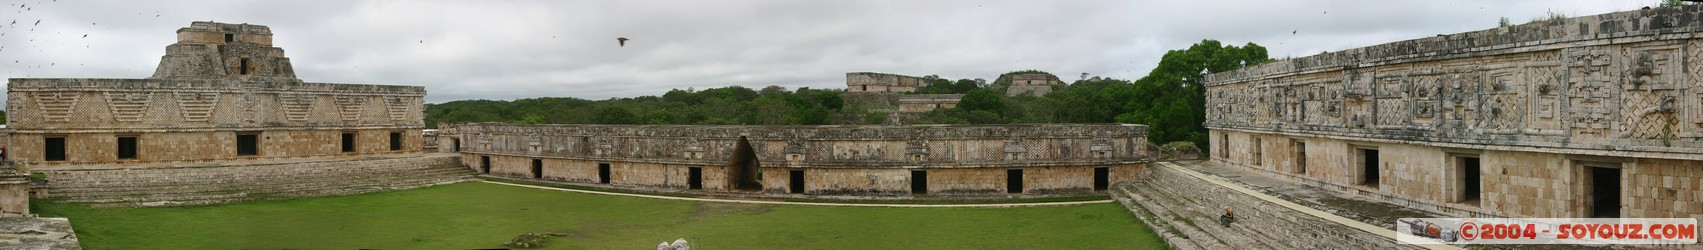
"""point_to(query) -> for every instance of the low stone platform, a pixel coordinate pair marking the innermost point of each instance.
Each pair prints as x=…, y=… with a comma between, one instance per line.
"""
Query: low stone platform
x=31, y=233
x=1183, y=202
x=224, y=183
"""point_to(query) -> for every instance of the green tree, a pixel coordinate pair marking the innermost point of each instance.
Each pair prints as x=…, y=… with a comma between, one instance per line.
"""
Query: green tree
x=982, y=99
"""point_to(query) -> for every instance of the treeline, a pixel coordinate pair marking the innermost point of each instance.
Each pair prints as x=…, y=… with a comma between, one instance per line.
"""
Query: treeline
x=1170, y=99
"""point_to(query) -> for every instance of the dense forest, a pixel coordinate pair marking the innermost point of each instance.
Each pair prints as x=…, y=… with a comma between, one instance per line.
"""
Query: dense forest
x=1170, y=99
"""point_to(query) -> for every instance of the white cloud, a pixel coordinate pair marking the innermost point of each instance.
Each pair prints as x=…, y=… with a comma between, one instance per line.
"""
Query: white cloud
x=518, y=49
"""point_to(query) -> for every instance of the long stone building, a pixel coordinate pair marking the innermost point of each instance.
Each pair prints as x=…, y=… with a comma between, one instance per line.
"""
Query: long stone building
x=960, y=160
x=223, y=117
x=1594, y=116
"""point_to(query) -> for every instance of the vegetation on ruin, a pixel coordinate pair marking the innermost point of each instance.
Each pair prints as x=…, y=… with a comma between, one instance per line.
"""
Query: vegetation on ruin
x=1170, y=99
x=483, y=215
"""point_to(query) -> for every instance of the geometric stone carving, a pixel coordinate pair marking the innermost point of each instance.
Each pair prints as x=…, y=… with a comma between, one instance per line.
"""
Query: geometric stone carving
x=128, y=106
x=296, y=106
x=350, y=107
x=196, y=106
x=398, y=107
x=56, y=106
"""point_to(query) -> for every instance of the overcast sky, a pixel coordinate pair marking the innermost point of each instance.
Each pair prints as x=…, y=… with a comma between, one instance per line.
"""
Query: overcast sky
x=519, y=49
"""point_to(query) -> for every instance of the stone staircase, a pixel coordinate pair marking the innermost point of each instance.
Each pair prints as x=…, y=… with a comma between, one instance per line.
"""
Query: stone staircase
x=1184, y=210
x=214, y=184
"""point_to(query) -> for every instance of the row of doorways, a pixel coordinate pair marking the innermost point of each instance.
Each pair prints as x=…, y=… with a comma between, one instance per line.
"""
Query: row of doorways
x=796, y=178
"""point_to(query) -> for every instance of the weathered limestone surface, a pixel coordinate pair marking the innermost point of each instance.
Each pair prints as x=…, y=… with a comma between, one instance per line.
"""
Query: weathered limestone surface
x=882, y=82
x=1541, y=108
x=1037, y=84
x=33, y=233
x=834, y=160
x=218, y=81
x=219, y=183
x=1185, y=210
x=926, y=103
x=14, y=191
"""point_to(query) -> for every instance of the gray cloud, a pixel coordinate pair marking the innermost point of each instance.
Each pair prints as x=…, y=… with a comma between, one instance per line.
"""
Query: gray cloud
x=517, y=49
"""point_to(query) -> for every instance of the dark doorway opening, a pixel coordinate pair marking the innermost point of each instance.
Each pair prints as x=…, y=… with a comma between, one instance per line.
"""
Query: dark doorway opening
x=1605, y=192
x=244, y=66
x=1369, y=167
x=1300, y=156
x=248, y=144
x=744, y=172
x=1470, y=188
x=603, y=172
x=230, y=37
x=55, y=149
x=455, y=145
x=1014, y=181
x=537, y=168
x=795, y=181
x=348, y=142
x=126, y=147
x=694, y=178
x=485, y=164
x=395, y=141
x=919, y=182
x=1102, y=178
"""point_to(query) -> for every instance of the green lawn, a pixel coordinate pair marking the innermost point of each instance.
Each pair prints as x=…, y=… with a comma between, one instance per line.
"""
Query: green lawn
x=482, y=215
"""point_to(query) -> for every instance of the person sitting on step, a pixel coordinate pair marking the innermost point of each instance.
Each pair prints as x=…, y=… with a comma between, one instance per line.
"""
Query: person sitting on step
x=1226, y=218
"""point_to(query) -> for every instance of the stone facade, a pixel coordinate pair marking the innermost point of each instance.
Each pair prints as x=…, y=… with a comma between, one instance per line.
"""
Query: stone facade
x=1037, y=84
x=882, y=82
x=1590, y=116
x=14, y=191
x=957, y=160
x=926, y=103
x=221, y=93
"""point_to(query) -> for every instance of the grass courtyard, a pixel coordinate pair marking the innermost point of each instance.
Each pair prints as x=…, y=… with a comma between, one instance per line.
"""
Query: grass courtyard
x=483, y=215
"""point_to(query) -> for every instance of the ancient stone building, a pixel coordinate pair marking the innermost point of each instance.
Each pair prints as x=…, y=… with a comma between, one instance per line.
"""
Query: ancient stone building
x=1037, y=84
x=1594, y=116
x=925, y=103
x=224, y=118
x=957, y=160
x=882, y=82
x=222, y=92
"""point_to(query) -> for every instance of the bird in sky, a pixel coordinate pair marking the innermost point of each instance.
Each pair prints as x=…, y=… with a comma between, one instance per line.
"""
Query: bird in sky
x=38, y=22
x=1292, y=32
x=85, y=35
x=622, y=40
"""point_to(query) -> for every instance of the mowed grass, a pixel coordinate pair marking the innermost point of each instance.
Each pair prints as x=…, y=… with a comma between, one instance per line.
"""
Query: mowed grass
x=483, y=215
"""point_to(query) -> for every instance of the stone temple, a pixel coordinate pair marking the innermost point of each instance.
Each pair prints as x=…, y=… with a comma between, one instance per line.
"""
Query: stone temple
x=224, y=118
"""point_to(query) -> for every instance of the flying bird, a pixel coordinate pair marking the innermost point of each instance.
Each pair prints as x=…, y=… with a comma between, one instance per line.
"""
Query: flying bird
x=38, y=22
x=85, y=35
x=622, y=40
x=1292, y=32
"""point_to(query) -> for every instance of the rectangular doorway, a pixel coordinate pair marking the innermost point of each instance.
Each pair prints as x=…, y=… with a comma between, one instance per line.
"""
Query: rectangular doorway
x=603, y=172
x=919, y=181
x=795, y=181
x=456, y=145
x=1605, y=191
x=1369, y=167
x=694, y=178
x=1470, y=185
x=1300, y=155
x=538, y=168
x=395, y=141
x=126, y=147
x=248, y=144
x=1102, y=178
x=1014, y=181
x=348, y=142
x=485, y=164
x=55, y=149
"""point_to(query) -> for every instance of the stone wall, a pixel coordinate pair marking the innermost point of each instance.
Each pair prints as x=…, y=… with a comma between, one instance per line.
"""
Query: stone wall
x=1541, y=109
x=882, y=82
x=217, y=83
x=14, y=191
x=223, y=183
x=1184, y=209
x=926, y=103
x=1037, y=84
x=833, y=160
